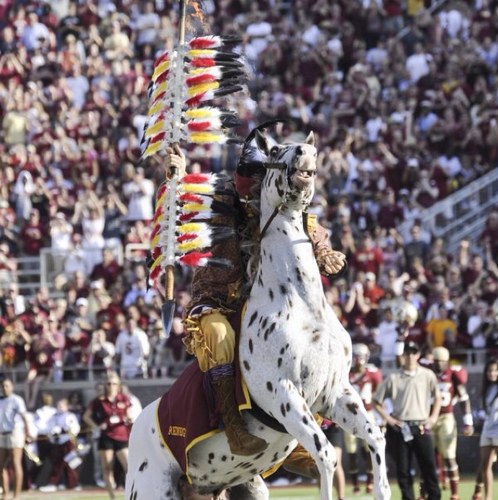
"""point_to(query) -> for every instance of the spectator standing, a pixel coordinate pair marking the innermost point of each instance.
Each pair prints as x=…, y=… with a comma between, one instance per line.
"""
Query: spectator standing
x=365, y=378
x=416, y=246
x=368, y=257
x=63, y=427
x=489, y=435
x=441, y=330
x=32, y=234
x=61, y=232
x=412, y=390
x=387, y=334
x=110, y=415
x=108, y=270
x=12, y=437
x=132, y=350
x=102, y=353
x=41, y=358
x=139, y=193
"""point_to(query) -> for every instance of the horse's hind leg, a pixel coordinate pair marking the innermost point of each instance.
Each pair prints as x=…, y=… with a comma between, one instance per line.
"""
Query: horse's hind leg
x=349, y=413
x=297, y=418
x=255, y=489
x=152, y=472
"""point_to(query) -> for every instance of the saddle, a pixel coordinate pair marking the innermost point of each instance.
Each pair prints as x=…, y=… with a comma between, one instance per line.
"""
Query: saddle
x=186, y=414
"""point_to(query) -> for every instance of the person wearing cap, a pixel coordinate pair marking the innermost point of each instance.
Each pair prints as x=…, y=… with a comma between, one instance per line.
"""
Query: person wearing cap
x=218, y=292
x=365, y=378
x=451, y=381
x=416, y=401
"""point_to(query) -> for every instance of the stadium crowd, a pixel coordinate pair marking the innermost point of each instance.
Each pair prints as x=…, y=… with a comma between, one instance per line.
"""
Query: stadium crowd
x=403, y=101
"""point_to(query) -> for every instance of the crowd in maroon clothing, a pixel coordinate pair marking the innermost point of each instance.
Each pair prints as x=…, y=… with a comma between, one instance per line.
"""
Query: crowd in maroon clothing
x=402, y=119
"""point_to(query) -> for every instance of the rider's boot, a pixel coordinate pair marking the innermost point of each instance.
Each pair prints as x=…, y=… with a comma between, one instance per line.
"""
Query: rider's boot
x=301, y=462
x=240, y=441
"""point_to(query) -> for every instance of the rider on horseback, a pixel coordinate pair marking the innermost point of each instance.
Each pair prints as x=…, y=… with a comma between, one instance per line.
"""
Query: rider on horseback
x=219, y=291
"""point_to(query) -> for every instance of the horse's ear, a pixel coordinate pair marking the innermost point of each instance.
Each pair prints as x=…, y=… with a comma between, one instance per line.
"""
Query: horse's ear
x=310, y=139
x=262, y=143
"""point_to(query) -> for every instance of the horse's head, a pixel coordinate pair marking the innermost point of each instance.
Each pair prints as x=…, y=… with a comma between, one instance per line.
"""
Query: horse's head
x=290, y=175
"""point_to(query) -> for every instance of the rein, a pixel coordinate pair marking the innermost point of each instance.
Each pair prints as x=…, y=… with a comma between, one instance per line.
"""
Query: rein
x=280, y=166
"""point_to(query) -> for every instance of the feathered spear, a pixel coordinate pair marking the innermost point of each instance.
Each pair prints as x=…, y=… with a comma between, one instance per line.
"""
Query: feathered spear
x=183, y=84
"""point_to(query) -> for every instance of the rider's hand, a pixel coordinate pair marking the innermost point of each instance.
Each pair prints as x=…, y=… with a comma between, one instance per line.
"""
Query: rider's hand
x=468, y=430
x=175, y=159
x=330, y=261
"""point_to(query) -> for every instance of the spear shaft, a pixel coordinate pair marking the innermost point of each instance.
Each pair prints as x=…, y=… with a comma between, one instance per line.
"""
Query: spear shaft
x=168, y=308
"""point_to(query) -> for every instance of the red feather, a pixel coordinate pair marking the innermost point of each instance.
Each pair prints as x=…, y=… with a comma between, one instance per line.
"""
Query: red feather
x=187, y=217
x=160, y=191
x=158, y=137
x=156, y=252
x=198, y=79
x=154, y=274
x=191, y=197
x=186, y=237
x=195, y=178
x=163, y=57
x=205, y=42
x=162, y=77
x=199, y=126
x=194, y=258
x=158, y=97
x=157, y=213
x=156, y=229
x=203, y=62
x=194, y=102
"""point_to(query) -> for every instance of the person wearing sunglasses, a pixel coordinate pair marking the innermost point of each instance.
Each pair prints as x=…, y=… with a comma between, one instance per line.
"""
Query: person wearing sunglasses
x=110, y=415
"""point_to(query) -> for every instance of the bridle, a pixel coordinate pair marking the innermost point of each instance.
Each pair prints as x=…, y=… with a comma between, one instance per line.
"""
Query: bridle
x=275, y=166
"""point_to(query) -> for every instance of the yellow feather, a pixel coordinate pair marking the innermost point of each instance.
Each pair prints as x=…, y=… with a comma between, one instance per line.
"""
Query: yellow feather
x=191, y=227
x=197, y=188
x=156, y=263
x=152, y=148
x=191, y=245
x=197, y=113
x=161, y=68
x=160, y=200
x=158, y=90
x=155, y=108
x=155, y=240
x=201, y=88
x=154, y=129
x=201, y=53
x=195, y=207
x=206, y=137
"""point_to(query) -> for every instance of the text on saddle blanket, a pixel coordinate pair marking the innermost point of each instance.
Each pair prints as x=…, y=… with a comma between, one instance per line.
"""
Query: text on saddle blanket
x=186, y=414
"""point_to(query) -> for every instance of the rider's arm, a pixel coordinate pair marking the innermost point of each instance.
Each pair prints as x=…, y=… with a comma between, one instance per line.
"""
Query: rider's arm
x=329, y=261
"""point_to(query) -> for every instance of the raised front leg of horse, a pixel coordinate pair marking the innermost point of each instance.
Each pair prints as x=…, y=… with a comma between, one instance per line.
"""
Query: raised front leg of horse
x=301, y=424
x=349, y=413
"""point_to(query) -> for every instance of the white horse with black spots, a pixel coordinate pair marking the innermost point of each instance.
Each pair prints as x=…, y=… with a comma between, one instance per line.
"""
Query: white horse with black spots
x=294, y=353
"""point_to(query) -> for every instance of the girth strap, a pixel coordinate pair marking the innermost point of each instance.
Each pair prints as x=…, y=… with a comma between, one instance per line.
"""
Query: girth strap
x=258, y=413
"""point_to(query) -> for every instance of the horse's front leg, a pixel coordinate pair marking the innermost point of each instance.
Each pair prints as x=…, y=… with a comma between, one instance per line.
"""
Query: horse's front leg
x=293, y=412
x=350, y=414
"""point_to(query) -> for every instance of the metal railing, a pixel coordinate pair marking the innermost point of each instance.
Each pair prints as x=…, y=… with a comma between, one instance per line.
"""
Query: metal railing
x=461, y=215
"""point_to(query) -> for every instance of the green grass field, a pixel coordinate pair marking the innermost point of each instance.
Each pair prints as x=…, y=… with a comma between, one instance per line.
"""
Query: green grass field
x=280, y=493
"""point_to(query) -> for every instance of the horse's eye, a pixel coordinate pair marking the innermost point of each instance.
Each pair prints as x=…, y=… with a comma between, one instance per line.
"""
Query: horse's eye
x=273, y=150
